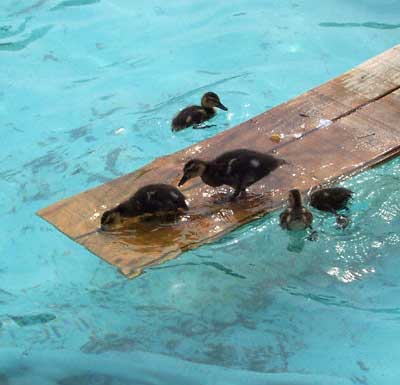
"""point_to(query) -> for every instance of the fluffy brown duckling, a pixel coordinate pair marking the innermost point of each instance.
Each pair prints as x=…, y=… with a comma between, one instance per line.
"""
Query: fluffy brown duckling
x=295, y=217
x=237, y=169
x=332, y=200
x=155, y=199
x=194, y=115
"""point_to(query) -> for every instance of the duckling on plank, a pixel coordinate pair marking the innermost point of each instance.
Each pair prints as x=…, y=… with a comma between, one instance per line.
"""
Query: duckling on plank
x=295, y=217
x=155, y=199
x=237, y=169
x=194, y=115
x=332, y=200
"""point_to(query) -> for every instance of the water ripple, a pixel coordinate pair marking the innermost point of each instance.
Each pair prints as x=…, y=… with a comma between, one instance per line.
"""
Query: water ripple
x=38, y=4
x=20, y=45
x=74, y=3
x=368, y=24
x=331, y=300
x=6, y=31
x=215, y=265
x=181, y=97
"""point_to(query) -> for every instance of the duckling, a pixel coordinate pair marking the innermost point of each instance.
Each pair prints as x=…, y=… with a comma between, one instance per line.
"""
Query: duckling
x=295, y=217
x=237, y=169
x=194, y=115
x=156, y=199
x=332, y=200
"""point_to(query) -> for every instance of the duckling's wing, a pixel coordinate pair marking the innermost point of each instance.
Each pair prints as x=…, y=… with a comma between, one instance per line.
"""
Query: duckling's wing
x=330, y=199
x=253, y=167
x=307, y=216
x=317, y=199
x=283, y=219
x=169, y=199
x=323, y=199
x=345, y=193
x=188, y=117
x=238, y=168
x=339, y=197
x=177, y=200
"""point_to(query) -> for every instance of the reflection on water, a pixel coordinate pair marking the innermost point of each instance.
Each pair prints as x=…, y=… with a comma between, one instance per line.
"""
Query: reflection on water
x=160, y=235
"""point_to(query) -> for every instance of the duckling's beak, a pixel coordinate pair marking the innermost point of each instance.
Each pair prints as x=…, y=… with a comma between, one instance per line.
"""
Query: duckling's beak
x=183, y=180
x=221, y=106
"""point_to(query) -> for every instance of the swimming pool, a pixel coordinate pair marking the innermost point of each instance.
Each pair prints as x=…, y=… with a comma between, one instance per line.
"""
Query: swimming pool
x=88, y=91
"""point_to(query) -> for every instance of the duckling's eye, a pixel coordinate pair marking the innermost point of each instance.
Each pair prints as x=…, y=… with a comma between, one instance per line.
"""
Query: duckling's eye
x=190, y=166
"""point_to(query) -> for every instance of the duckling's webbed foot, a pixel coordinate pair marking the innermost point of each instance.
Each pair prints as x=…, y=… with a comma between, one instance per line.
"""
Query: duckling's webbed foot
x=313, y=236
x=238, y=193
x=202, y=126
x=221, y=197
x=342, y=221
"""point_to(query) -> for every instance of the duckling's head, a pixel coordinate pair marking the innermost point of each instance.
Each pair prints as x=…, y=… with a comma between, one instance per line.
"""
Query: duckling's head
x=295, y=199
x=193, y=168
x=210, y=100
x=112, y=220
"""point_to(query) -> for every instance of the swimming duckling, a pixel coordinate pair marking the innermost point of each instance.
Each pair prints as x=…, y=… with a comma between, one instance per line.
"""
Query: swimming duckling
x=295, y=217
x=157, y=199
x=238, y=169
x=332, y=200
x=194, y=115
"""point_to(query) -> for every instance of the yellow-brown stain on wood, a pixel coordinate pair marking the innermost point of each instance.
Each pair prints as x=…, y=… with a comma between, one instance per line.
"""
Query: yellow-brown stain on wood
x=335, y=130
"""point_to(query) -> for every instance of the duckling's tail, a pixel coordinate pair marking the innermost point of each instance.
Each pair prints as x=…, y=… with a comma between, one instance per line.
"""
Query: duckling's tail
x=176, y=126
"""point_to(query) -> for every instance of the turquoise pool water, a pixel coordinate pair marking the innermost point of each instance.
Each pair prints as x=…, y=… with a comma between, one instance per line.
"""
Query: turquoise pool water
x=88, y=88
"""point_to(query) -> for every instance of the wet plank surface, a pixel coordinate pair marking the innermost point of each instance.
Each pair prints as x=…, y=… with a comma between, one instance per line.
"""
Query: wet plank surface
x=343, y=127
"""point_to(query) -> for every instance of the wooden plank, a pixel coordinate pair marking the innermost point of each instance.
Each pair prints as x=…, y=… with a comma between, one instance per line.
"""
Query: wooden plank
x=360, y=109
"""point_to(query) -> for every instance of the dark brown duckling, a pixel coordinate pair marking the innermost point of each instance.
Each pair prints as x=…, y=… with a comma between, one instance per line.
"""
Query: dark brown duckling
x=156, y=199
x=332, y=200
x=295, y=217
x=237, y=169
x=194, y=115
